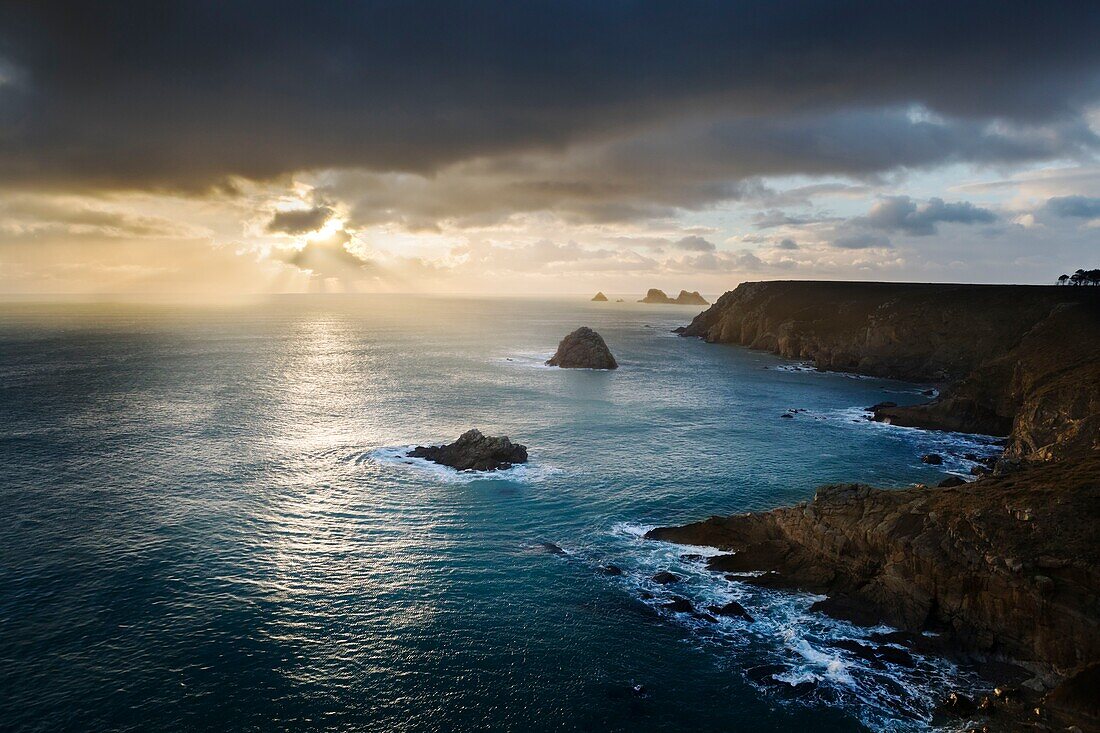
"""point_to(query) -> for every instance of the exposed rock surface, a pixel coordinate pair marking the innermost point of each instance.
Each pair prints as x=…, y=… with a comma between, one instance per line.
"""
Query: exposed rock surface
x=599, y=298
x=1024, y=360
x=583, y=349
x=684, y=298
x=474, y=452
x=1008, y=564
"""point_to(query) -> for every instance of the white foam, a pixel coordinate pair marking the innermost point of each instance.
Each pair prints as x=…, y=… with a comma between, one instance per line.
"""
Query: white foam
x=884, y=697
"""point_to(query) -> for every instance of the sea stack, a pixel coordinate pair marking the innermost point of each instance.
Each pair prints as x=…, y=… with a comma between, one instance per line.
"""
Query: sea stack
x=583, y=349
x=692, y=298
x=655, y=296
x=684, y=298
x=474, y=452
x=599, y=298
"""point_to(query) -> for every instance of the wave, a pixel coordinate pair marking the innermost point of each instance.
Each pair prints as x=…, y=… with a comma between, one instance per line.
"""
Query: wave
x=787, y=652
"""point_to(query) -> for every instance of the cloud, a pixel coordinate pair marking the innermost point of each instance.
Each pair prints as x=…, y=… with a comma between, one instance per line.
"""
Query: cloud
x=694, y=244
x=1079, y=207
x=299, y=221
x=862, y=240
x=31, y=215
x=173, y=94
x=903, y=214
x=787, y=244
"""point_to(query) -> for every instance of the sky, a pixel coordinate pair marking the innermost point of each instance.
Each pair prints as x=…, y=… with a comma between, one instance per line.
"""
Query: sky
x=214, y=149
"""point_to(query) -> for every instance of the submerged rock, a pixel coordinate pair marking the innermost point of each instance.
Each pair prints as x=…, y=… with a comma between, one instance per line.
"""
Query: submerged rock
x=583, y=349
x=679, y=604
x=599, y=298
x=474, y=452
x=664, y=578
x=733, y=609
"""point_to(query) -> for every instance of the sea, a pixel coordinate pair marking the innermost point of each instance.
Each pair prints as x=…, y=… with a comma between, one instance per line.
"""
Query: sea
x=210, y=523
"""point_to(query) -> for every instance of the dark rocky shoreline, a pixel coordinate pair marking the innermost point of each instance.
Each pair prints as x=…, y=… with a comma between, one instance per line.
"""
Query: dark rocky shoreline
x=1006, y=567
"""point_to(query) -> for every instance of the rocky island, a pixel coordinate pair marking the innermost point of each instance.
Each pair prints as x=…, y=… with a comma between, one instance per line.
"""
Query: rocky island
x=474, y=452
x=1008, y=566
x=599, y=298
x=684, y=298
x=583, y=349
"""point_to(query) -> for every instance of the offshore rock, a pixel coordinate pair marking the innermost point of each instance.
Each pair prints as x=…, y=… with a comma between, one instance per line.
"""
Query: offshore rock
x=583, y=349
x=684, y=298
x=474, y=452
x=599, y=298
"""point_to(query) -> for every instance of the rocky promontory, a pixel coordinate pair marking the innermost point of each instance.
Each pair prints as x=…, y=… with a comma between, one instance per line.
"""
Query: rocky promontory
x=684, y=298
x=583, y=349
x=1006, y=567
x=1017, y=360
x=474, y=452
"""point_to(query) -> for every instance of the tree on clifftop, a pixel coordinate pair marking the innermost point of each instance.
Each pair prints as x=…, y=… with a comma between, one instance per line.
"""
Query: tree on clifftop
x=1081, y=277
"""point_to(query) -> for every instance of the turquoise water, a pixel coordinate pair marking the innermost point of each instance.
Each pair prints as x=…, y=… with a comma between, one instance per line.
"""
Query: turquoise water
x=208, y=524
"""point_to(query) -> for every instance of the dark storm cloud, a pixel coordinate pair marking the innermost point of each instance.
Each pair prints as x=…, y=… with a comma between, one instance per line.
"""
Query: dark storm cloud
x=1080, y=207
x=299, y=221
x=903, y=214
x=182, y=94
x=788, y=244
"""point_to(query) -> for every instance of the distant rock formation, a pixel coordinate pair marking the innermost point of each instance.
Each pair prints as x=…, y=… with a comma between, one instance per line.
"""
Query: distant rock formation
x=599, y=298
x=692, y=298
x=583, y=349
x=474, y=452
x=655, y=296
x=684, y=298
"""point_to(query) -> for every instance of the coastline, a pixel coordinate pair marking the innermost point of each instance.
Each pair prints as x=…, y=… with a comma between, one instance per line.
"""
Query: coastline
x=1005, y=568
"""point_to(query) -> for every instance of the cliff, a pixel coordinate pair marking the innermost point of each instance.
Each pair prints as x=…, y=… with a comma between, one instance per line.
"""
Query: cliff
x=1007, y=565
x=1022, y=361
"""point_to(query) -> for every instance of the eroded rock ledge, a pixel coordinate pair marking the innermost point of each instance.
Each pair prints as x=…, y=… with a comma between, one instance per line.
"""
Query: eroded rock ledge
x=1007, y=564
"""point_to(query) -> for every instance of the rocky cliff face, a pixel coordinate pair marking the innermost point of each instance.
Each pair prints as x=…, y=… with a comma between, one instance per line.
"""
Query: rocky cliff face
x=1008, y=564
x=1021, y=360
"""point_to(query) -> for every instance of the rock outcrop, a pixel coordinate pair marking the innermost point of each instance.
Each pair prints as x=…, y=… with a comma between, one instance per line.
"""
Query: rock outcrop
x=692, y=298
x=583, y=349
x=1022, y=360
x=1007, y=564
x=599, y=298
x=684, y=298
x=474, y=452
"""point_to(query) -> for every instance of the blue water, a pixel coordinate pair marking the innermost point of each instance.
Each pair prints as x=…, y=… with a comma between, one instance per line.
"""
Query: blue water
x=207, y=524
